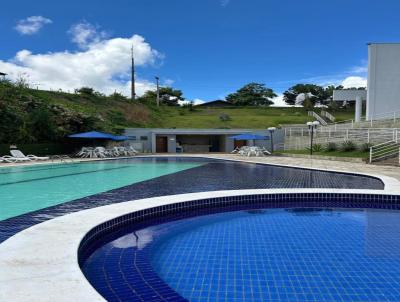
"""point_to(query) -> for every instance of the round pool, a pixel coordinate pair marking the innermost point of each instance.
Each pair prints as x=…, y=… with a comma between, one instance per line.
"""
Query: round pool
x=295, y=254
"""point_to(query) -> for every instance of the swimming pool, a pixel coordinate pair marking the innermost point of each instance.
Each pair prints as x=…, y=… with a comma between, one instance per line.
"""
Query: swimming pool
x=259, y=254
x=31, y=195
x=29, y=188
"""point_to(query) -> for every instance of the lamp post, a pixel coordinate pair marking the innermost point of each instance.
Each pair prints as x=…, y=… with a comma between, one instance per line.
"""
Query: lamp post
x=311, y=127
x=158, y=90
x=271, y=131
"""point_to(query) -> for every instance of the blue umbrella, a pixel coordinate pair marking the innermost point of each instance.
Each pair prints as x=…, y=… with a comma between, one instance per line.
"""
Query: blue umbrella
x=249, y=136
x=121, y=138
x=92, y=135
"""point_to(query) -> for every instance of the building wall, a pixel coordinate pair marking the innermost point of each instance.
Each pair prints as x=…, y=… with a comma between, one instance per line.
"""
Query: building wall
x=226, y=143
x=383, y=80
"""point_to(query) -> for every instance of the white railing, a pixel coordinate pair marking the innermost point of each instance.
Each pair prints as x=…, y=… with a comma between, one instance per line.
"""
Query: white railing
x=317, y=117
x=378, y=120
x=299, y=138
x=383, y=151
x=328, y=115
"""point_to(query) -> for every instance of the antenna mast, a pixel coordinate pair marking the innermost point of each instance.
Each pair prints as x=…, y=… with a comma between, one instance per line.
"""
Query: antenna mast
x=133, y=93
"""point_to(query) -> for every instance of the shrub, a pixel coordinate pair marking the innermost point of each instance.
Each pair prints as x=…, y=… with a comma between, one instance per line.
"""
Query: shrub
x=348, y=146
x=331, y=147
x=224, y=117
x=365, y=147
x=317, y=148
x=297, y=113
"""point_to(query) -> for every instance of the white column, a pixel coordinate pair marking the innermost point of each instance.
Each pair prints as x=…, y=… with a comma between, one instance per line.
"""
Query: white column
x=358, y=109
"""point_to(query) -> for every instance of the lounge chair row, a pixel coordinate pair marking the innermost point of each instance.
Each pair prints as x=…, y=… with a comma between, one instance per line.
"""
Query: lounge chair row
x=101, y=152
x=18, y=156
x=251, y=151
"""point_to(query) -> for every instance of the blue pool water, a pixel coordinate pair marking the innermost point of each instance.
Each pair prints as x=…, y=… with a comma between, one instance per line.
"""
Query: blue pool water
x=261, y=255
x=28, y=188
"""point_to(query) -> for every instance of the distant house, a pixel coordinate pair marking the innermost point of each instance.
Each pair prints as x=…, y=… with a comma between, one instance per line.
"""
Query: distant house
x=2, y=75
x=216, y=104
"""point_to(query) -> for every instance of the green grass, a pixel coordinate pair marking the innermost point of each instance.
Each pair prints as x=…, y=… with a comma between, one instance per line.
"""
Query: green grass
x=125, y=114
x=355, y=154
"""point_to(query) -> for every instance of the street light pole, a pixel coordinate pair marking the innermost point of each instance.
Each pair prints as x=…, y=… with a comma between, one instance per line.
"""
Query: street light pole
x=311, y=127
x=271, y=131
x=158, y=91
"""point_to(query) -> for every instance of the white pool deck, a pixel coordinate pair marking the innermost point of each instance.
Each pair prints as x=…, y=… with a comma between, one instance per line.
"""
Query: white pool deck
x=40, y=263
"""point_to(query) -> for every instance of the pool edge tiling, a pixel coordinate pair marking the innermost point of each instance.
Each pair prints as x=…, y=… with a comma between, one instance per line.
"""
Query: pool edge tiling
x=34, y=258
x=231, y=175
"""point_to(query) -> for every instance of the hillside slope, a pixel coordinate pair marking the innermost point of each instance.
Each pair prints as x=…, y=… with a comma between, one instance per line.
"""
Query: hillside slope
x=28, y=115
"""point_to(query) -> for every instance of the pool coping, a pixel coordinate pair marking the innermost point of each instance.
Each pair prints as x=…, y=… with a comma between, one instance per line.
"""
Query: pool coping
x=41, y=262
x=44, y=258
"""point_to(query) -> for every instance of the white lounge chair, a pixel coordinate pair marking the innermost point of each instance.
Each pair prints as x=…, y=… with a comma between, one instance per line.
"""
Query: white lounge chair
x=17, y=154
x=7, y=159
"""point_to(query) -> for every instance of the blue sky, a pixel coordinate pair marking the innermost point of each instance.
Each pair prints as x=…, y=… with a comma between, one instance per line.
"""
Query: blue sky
x=207, y=48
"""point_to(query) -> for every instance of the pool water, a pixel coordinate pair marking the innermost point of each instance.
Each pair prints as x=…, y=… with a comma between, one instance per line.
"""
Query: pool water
x=263, y=255
x=28, y=188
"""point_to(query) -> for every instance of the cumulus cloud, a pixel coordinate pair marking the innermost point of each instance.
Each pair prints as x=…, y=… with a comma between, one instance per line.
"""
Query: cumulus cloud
x=195, y=102
x=104, y=65
x=31, y=25
x=354, y=81
x=85, y=33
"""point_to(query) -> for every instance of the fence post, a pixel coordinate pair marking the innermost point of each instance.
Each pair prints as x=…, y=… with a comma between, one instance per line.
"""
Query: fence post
x=352, y=123
x=368, y=137
x=370, y=155
x=347, y=134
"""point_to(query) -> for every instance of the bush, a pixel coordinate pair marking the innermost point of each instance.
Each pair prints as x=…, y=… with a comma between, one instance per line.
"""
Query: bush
x=365, y=147
x=316, y=148
x=224, y=117
x=297, y=113
x=348, y=146
x=331, y=147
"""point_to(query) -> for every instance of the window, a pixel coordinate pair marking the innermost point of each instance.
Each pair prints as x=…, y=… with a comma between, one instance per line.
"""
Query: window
x=143, y=138
x=132, y=138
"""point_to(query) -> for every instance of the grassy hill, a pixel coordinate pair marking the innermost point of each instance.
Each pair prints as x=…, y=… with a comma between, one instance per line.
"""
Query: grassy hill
x=28, y=115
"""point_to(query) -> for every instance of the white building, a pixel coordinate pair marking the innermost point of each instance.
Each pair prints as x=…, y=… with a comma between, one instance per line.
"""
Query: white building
x=383, y=87
x=383, y=96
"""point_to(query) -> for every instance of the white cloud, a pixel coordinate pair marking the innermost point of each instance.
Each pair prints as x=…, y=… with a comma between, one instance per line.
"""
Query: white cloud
x=195, y=102
x=31, y=25
x=354, y=81
x=84, y=34
x=104, y=66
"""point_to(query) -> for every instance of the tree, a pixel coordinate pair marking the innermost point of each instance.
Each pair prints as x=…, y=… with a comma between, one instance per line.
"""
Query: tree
x=168, y=96
x=315, y=94
x=252, y=94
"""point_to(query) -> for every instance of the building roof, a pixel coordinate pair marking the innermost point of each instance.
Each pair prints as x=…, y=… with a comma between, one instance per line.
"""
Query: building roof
x=198, y=131
x=2, y=74
x=349, y=94
x=216, y=102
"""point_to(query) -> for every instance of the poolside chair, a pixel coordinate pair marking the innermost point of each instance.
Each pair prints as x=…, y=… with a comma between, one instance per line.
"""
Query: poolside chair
x=21, y=156
x=236, y=150
x=7, y=159
x=131, y=151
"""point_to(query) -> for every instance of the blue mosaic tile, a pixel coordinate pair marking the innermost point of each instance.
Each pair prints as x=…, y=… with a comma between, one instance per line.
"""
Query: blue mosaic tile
x=212, y=176
x=135, y=270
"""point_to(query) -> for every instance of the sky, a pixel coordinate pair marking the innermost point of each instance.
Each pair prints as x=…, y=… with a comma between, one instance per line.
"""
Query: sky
x=206, y=48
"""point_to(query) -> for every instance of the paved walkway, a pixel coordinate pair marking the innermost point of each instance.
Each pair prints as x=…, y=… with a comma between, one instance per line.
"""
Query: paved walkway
x=318, y=164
